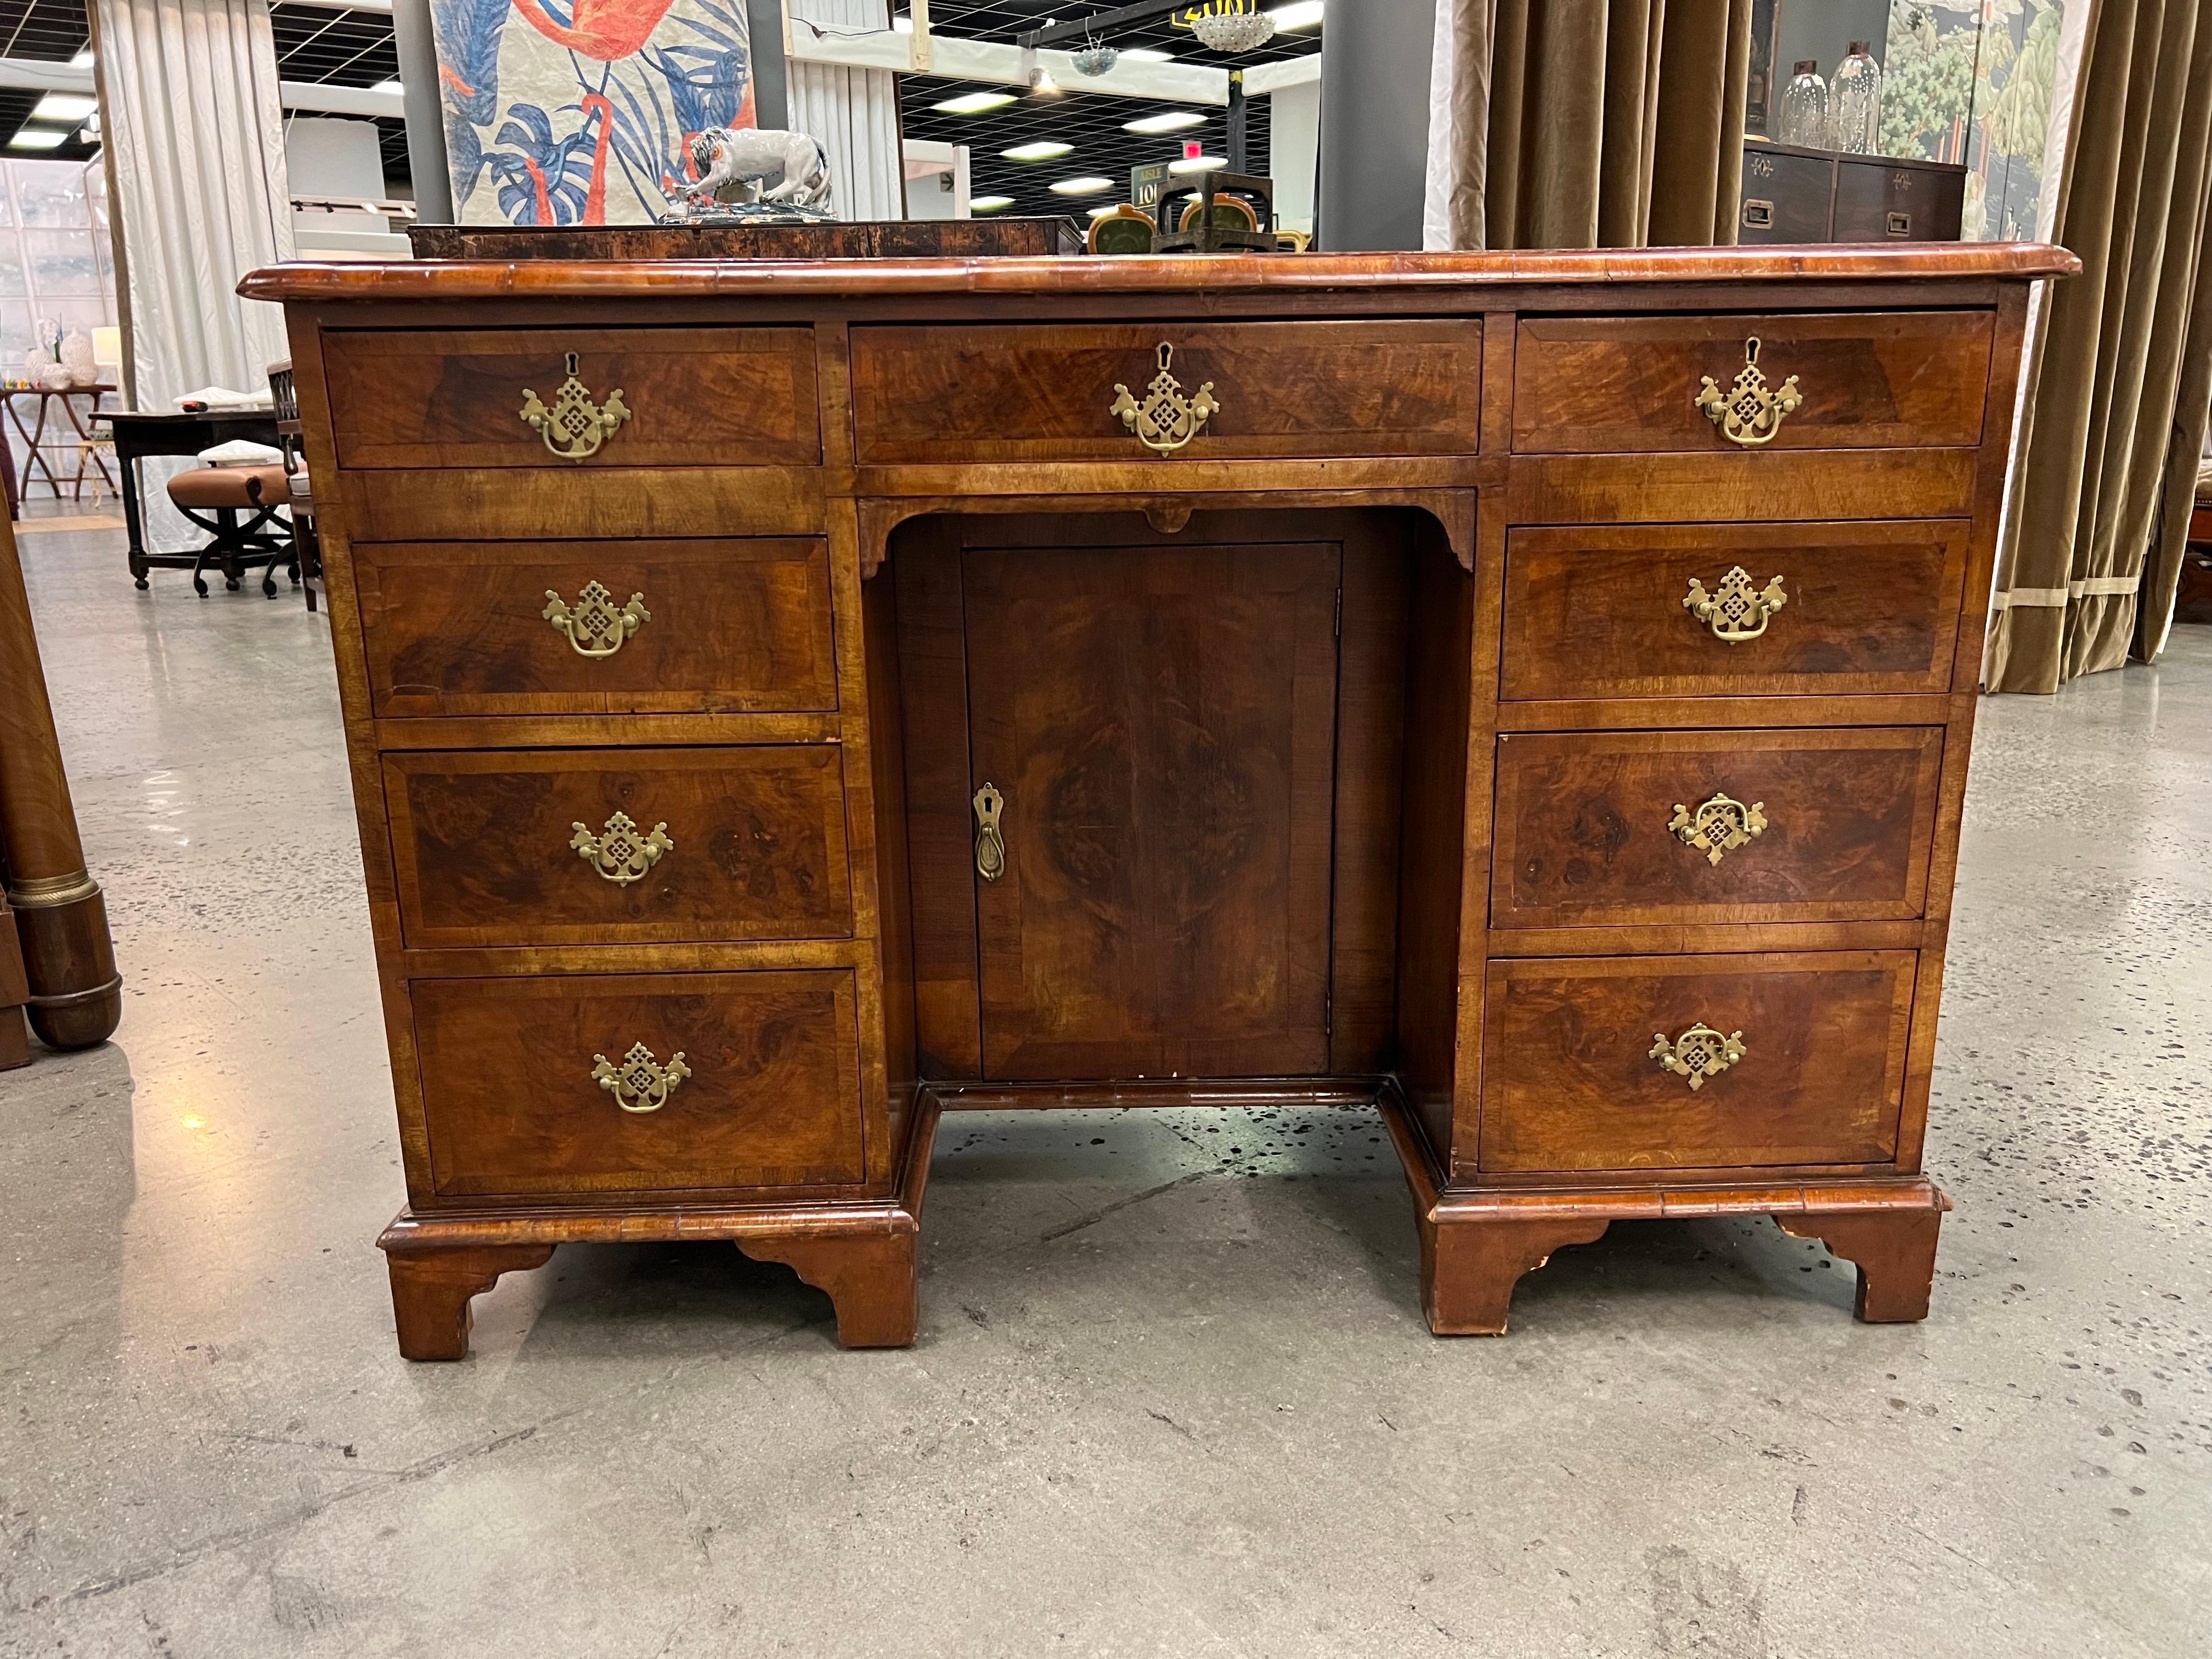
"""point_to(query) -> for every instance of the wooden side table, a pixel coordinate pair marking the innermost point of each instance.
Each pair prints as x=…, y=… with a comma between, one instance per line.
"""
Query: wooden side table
x=34, y=433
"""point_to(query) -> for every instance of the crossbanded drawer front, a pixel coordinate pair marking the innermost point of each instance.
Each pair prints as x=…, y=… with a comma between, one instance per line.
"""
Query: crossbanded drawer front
x=568, y=398
x=1638, y=1063
x=1606, y=829
x=597, y=627
x=1271, y=390
x=582, y=1084
x=1732, y=610
x=1829, y=379
x=619, y=846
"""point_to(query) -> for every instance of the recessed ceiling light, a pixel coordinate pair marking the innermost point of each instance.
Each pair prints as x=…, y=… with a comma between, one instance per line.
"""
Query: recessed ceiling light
x=973, y=103
x=1173, y=120
x=83, y=60
x=1299, y=15
x=63, y=107
x=1039, y=150
x=1197, y=164
x=1148, y=55
x=1088, y=185
x=388, y=86
x=988, y=204
x=38, y=139
x=1102, y=211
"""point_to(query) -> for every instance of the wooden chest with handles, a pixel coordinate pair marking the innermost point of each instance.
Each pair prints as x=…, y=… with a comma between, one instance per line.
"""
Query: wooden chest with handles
x=1531, y=693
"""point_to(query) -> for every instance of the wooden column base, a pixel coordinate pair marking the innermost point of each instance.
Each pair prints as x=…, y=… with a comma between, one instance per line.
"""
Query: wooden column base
x=861, y=1254
x=1476, y=1246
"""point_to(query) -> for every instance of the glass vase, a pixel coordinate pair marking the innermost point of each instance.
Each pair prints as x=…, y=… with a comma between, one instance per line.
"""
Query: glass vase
x=1805, y=119
x=1857, y=101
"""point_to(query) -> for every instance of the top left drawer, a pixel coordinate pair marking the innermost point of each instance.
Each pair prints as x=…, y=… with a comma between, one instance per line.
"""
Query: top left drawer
x=589, y=397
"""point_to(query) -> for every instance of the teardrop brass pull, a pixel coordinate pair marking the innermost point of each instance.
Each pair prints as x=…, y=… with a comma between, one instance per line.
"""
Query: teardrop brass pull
x=1719, y=825
x=575, y=427
x=1736, y=610
x=641, y=1083
x=619, y=853
x=1748, y=413
x=990, y=848
x=593, y=626
x=1699, y=1053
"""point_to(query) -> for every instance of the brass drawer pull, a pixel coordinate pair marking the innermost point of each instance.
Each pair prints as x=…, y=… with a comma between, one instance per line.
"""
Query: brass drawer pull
x=593, y=625
x=1719, y=825
x=575, y=427
x=990, y=847
x=1748, y=413
x=618, y=852
x=1699, y=1053
x=1166, y=419
x=641, y=1083
x=1736, y=610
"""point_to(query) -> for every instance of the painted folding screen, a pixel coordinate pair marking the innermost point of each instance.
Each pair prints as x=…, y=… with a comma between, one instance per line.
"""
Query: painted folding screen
x=580, y=111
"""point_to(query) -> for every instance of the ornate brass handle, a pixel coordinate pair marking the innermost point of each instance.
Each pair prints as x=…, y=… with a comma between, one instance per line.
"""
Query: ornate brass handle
x=618, y=852
x=1166, y=419
x=1699, y=1053
x=990, y=847
x=1736, y=610
x=592, y=624
x=1748, y=413
x=575, y=427
x=641, y=1083
x=1719, y=825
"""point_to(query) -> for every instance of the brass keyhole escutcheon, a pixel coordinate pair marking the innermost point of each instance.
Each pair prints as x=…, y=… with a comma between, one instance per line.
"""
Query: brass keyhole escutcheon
x=641, y=1083
x=1699, y=1053
x=575, y=426
x=1719, y=825
x=1749, y=412
x=990, y=846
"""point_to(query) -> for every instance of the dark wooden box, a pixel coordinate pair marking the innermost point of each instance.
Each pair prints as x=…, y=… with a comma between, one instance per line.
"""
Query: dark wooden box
x=1786, y=194
x=1792, y=194
x=875, y=239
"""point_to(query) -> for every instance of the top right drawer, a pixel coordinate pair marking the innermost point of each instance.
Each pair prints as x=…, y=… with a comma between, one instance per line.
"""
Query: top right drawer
x=1858, y=380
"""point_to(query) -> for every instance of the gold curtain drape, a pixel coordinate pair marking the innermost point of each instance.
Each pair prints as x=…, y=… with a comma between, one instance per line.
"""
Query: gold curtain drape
x=2105, y=469
x=1594, y=123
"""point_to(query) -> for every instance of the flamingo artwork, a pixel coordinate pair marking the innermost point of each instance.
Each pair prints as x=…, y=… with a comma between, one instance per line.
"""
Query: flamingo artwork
x=605, y=31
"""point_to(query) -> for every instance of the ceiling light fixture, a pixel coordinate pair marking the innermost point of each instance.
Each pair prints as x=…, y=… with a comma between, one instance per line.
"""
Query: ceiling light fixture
x=1197, y=164
x=1148, y=55
x=1088, y=185
x=988, y=204
x=1100, y=212
x=1231, y=25
x=63, y=107
x=973, y=103
x=38, y=139
x=1172, y=120
x=1299, y=15
x=388, y=86
x=83, y=60
x=1039, y=149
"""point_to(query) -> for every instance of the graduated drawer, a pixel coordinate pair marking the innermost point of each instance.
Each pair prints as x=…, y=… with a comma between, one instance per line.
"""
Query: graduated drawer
x=1870, y=379
x=727, y=627
x=455, y=398
x=1047, y=393
x=1570, y=1081
x=513, y=1107
x=526, y=846
x=1606, y=829
x=1600, y=611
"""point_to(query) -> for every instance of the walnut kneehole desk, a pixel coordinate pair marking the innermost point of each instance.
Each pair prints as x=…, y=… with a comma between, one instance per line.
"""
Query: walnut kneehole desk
x=1529, y=692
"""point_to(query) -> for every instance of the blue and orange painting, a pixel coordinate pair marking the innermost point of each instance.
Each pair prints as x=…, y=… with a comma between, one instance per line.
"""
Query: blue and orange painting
x=581, y=112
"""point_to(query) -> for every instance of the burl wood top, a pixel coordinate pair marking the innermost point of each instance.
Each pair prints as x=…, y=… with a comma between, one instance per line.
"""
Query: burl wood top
x=1137, y=274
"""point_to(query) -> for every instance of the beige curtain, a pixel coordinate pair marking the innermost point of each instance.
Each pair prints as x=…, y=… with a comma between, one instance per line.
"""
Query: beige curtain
x=2104, y=466
x=1586, y=123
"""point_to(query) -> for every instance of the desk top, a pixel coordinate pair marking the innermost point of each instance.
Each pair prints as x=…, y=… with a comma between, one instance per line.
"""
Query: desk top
x=462, y=279
x=179, y=416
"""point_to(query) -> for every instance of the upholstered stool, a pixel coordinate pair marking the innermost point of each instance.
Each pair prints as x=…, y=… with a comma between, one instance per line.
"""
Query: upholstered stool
x=229, y=493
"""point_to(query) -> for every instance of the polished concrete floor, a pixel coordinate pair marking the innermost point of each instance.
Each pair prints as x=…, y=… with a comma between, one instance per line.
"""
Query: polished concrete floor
x=1173, y=1394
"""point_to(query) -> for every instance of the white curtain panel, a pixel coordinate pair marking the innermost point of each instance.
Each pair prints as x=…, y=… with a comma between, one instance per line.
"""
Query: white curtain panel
x=852, y=112
x=190, y=114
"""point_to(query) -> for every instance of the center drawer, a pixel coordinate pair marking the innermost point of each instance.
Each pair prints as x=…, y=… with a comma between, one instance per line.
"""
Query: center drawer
x=1619, y=829
x=1047, y=393
x=619, y=846
x=1794, y=1059
x=590, y=1084
x=597, y=627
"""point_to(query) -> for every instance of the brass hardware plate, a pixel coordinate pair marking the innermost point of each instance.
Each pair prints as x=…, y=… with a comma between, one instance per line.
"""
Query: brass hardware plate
x=1717, y=826
x=1699, y=1053
x=1166, y=419
x=990, y=847
x=1757, y=215
x=641, y=1083
x=1736, y=610
x=1749, y=412
x=575, y=427
x=592, y=624
x=619, y=853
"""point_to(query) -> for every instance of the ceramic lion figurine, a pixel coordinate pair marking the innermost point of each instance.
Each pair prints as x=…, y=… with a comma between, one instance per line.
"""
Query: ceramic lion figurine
x=732, y=155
